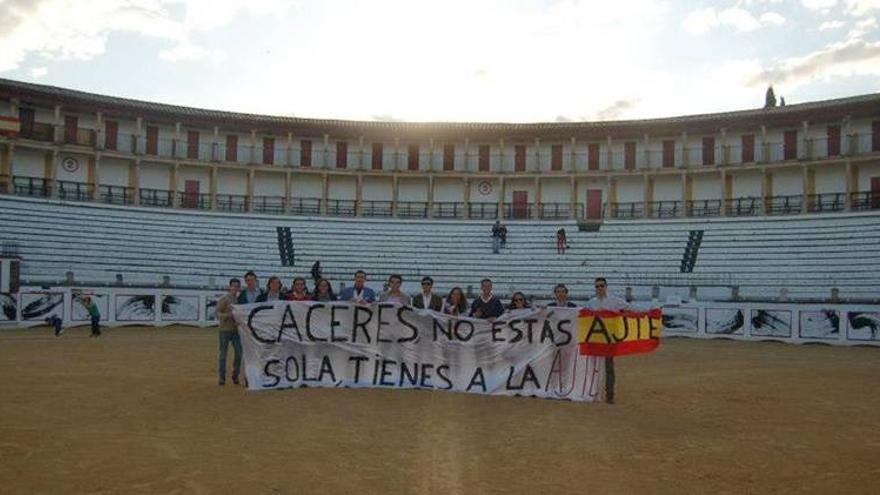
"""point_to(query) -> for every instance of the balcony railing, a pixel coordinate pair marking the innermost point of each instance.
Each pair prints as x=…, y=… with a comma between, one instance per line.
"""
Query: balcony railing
x=448, y=210
x=518, y=211
x=80, y=137
x=39, y=132
x=703, y=208
x=342, y=207
x=666, y=209
x=376, y=208
x=865, y=200
x=269, y=204
x=747, y=206
x=117, y=195
x=558, y=211
x=785, y=205
x=31, y=186
x=305, y=206
x=413, y=209
x=232, y=202
x=155, y=197
x=196, y=201
x=207, y=150
x=73, y=191
x=483, y=210
x=737, y=207
x=627, y=210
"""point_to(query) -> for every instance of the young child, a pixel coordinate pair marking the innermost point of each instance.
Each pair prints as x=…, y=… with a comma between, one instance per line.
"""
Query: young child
x=92, y=308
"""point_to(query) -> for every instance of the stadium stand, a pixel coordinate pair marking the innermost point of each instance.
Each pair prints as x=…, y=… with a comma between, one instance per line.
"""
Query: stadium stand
x=806, y=255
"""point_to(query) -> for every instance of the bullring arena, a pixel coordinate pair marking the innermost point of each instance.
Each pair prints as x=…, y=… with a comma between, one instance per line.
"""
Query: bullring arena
x=755, y=232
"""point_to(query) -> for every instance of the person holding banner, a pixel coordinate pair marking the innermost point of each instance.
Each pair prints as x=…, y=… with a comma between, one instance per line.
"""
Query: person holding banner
x=456, y=304
x=252, y=292
x=560, y=292
x=324, y=291
x=272, y=292
x=228, y=332
x=518, y=301
x=426, y=299
x=299, y=292
x=486, y=305
x=359, y=292
x=603, y=301
x=393, y=293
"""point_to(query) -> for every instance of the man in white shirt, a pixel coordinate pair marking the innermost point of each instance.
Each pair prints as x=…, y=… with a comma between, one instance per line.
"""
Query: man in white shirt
x=602, y=300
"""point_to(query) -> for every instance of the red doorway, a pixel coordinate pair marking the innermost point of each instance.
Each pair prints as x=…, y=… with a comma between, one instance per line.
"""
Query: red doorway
x=520, y=204
x=191, y=194
x=594, y=204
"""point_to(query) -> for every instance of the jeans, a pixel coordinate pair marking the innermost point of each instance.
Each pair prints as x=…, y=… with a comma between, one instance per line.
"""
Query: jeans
x=96, y=329
x=226, y=337
x=496, y=244
x=609, y=378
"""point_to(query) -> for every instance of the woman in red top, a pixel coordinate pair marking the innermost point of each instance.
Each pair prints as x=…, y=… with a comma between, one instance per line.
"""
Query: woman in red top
x=299, y=292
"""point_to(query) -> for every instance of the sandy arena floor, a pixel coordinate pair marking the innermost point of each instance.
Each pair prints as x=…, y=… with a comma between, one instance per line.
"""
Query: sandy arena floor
x=139, y=411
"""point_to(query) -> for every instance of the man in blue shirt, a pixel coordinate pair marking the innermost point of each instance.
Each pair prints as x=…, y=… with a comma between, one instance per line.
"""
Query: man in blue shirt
x=359, y=292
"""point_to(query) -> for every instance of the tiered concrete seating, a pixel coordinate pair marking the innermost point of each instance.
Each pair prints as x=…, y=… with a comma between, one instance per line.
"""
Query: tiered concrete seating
x=807, y=255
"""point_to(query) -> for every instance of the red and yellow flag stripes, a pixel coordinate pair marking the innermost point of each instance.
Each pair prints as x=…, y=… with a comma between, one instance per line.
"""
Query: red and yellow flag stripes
x=616, y=333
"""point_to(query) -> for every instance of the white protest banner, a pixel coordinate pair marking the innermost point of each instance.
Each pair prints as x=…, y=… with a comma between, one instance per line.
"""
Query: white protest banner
x=342, y=344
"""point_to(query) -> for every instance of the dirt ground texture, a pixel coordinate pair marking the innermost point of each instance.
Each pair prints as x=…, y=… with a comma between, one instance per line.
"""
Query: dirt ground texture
x=139, y=411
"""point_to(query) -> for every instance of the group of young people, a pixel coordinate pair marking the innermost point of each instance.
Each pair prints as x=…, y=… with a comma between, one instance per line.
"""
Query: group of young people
x=485, y=306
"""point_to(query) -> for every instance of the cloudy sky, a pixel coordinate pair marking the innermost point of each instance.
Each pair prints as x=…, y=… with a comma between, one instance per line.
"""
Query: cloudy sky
x=448, y=60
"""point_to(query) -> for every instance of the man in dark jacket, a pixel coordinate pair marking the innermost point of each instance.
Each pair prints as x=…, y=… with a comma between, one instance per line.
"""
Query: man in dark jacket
x=486, y=305
x=426, y=299
x=252, y=291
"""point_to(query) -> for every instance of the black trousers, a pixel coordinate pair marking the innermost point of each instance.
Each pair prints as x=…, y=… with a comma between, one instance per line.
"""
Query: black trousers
x=609, y=378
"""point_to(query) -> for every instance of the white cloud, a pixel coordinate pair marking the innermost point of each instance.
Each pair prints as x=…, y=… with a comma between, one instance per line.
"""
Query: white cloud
x=38, y=72
x=831, y=25
x=703, y=20
x=818, y=4
x=771, y=18
x=852, y=57
x=861, y=7
x=863, y=27
x=78, y=30
x=700, y=21
x=183, y=51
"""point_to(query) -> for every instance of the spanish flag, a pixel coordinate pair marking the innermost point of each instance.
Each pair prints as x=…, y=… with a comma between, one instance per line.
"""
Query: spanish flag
x=616, y=333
